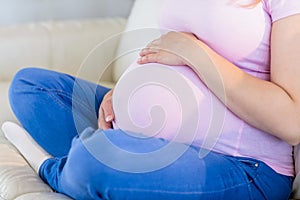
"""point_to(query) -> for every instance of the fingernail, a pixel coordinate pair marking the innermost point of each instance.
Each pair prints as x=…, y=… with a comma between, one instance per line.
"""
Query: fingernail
x=108, y=118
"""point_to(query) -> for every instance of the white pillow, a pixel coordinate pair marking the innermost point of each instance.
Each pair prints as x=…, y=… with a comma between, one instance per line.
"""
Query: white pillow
x=142, y=28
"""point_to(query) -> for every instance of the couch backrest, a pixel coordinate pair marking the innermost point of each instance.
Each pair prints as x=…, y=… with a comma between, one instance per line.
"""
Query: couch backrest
x=64, y=45
x=58, y=45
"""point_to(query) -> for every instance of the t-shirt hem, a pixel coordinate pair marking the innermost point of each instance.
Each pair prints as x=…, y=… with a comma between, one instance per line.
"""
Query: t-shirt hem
x=286, y=14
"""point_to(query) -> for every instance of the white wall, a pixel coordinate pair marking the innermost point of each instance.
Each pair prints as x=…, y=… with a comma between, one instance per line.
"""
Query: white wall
x=22, y=11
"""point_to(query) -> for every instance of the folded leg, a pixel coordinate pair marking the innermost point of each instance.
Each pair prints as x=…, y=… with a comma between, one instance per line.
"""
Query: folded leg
x=109, y=165
x=54, y=107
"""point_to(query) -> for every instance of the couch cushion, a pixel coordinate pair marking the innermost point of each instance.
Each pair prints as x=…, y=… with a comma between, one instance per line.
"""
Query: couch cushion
x=23, y=45
x=5, y=110
x=141, y=28
x=43, y=196
x=16, y=177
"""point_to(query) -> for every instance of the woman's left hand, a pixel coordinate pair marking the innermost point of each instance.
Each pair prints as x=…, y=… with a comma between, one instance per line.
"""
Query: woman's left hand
x=168, y=49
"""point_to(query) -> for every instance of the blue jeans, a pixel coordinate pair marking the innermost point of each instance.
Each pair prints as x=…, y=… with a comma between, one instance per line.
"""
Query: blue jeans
x=85, y=166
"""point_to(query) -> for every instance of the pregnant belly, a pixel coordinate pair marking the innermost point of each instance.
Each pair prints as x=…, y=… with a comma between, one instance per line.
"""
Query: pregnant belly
x=156, y=100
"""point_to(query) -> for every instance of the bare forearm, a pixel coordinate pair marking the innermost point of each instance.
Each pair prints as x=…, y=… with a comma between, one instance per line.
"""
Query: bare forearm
x=262, y=104
x=273, y=106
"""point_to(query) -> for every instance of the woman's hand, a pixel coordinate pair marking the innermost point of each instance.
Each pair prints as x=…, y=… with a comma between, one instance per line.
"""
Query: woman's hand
x=106, y=113
x=168, y=49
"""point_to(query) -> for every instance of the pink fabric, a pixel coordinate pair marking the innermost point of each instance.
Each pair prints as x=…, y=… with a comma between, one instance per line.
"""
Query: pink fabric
x=242, y=36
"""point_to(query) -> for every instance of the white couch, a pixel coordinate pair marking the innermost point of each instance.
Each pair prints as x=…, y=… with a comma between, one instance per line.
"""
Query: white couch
x=61, y=44
x=77, y=44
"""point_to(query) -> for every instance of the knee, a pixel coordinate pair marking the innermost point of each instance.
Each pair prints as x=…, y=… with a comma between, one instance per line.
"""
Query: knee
x=23, y=78
x=29, y=79
x=27, y=72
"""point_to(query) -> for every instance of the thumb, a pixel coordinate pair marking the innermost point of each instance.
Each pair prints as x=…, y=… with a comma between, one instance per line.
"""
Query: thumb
x=108, y=112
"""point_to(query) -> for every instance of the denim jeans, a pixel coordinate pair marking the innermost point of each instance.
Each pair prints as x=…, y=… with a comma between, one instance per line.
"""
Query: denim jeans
x=61, y=111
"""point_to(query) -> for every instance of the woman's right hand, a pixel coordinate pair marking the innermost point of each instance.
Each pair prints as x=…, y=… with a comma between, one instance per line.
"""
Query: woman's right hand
x=106, y=114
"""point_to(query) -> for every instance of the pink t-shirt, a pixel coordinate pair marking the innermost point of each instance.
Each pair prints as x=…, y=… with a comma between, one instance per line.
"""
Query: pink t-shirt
x=156, y=101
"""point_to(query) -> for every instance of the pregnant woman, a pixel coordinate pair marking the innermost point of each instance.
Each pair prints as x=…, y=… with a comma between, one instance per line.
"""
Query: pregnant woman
x=217, y=121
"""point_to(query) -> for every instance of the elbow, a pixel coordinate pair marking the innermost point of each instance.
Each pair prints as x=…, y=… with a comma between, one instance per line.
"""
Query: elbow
x=293, y=142
x=293, y=136
x=288, y=128
x=293, y=127
x=288, y=131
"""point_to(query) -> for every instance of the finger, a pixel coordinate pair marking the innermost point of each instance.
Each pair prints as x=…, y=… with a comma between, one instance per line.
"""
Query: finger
x=148, y=50
x=106, y=126
x=108, y=110
x=150, y=58
x=100, y=118
x=154, y=43
x=102, y=124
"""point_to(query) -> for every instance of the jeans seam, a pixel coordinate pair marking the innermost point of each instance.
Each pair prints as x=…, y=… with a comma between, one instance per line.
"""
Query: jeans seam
x=51, y=91
x=58, y=101
x=176, y=192
x=65, y=94
x=69, y=96
x=253, y=180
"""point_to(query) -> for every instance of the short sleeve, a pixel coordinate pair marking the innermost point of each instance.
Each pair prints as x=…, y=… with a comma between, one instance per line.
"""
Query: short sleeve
x=279, y=9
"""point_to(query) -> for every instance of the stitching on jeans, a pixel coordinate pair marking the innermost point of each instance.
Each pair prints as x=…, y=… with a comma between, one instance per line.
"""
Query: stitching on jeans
x=244, y=161
x=248, y=183
x=195, y=192
x=65, y=94
x=50, y=92
x=68, y=95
